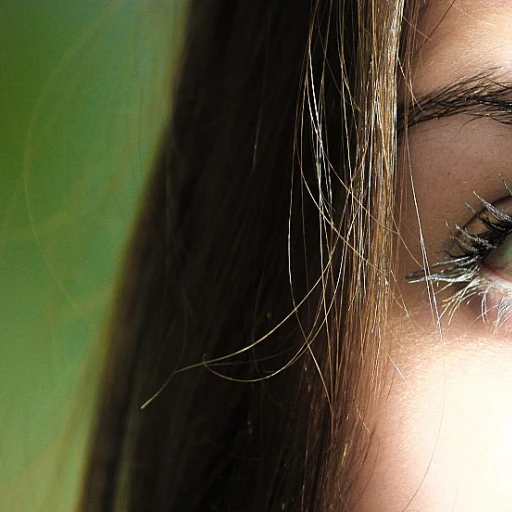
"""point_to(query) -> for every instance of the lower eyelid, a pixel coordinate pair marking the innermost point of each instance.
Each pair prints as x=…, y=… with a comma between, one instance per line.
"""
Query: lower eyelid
x=494, y=297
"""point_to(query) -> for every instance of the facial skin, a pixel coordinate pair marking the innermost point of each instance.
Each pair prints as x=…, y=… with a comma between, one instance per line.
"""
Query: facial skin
x=443, y=434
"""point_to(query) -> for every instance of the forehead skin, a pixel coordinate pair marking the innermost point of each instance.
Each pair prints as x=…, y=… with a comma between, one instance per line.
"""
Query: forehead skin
x=460, y=38
x=442, y=439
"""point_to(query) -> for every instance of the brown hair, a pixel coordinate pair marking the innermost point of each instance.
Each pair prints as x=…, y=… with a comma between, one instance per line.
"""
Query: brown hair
x=266, y=234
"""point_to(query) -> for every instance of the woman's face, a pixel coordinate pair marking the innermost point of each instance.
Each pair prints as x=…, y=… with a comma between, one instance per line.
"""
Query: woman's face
x=443, y=437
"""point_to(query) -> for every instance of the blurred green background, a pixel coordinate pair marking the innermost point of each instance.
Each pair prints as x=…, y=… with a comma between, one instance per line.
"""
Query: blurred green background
x=83, y=95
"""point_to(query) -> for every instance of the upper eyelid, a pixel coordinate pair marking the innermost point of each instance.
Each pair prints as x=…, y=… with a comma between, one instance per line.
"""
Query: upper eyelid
x=491, y=214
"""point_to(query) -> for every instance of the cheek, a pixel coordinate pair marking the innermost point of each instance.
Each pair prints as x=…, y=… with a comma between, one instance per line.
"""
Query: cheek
x=443, y=433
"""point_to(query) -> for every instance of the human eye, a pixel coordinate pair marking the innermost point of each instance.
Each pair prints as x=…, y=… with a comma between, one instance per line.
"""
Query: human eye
x=477, y=262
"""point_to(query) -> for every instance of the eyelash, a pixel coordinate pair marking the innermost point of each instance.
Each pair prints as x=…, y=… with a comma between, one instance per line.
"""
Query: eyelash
x=465, y=253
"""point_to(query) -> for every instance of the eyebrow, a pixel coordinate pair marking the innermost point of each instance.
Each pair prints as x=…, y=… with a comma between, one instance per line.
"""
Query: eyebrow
x=484, y=95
